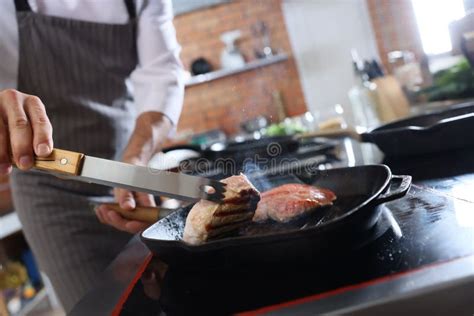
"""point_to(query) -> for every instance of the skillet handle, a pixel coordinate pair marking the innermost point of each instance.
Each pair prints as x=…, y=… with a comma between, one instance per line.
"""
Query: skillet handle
x=398, y=192
x=141, y=213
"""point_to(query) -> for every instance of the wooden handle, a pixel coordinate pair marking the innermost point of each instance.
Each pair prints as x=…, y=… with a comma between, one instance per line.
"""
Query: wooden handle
x=140, y=213
x=61, y=161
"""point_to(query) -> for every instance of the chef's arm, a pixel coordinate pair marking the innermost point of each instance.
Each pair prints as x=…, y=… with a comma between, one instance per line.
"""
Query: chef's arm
x=151, y=130
x=158, y=83
x=25, y=130
x=158, y=80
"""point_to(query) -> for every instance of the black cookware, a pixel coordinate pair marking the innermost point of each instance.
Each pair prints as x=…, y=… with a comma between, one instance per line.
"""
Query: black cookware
x=429, y=133
x=263, y=148
x=360, y=192
x=200, y=66
x=438, y=131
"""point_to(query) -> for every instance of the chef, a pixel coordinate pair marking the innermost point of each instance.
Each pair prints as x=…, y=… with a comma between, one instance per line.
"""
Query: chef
x=106, y=79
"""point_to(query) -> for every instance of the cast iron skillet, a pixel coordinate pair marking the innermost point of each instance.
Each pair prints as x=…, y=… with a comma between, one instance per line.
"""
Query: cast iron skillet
x=360, y=192
x=438, y=131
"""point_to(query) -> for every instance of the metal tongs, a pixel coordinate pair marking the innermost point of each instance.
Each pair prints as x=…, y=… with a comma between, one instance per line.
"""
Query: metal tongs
x=77, y=166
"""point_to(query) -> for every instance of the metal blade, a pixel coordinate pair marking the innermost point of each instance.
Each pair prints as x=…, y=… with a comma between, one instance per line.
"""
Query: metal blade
x=143, y=179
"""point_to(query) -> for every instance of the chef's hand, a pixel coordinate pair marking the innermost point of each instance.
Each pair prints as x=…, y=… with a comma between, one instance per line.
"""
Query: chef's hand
x=151, y=130
x=24, y=129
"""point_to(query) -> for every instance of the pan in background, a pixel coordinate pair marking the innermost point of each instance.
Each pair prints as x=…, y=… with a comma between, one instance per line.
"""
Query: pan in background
x=252, y=148
x=360, y=192
x=438, y=131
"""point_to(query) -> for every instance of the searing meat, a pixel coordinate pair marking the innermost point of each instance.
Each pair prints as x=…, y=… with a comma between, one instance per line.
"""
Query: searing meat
x=290, y=201
x=208, y=219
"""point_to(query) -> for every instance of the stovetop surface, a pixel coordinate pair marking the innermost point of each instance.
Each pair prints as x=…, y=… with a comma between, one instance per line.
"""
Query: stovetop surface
x=310, y=153
x=433, y=223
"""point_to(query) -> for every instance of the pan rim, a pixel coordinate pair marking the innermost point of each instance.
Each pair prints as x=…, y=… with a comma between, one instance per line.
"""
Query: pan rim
x=392, y=126
x=293, y=234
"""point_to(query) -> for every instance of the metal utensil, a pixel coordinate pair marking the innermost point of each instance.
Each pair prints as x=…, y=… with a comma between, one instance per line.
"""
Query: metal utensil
x=77, y=166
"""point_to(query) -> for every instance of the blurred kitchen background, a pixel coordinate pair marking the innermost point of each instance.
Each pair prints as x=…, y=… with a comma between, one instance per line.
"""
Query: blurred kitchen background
x=276, y=67
x=365, y=61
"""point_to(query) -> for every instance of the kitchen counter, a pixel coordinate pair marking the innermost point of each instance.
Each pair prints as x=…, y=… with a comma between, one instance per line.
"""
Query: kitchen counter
x=420, y=260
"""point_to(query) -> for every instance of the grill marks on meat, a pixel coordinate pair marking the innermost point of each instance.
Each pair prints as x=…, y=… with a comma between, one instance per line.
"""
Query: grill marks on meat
x=208, y=219
x=290, y=201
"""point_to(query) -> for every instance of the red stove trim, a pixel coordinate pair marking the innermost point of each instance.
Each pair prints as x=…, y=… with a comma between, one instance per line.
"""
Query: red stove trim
x=126, y=293
x=315, y=297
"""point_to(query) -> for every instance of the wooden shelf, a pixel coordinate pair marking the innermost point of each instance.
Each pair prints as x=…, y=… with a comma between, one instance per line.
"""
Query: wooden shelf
x=9, y=224
x=221, y=73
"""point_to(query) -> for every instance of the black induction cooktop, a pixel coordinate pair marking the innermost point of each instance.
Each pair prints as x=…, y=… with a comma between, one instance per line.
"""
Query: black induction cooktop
x=434, y=223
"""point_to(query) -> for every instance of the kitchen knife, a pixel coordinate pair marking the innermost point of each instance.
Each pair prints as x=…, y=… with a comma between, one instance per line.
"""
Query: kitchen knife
x=77, y=166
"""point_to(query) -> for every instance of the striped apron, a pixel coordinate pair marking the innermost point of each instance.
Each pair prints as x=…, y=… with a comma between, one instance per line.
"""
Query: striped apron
x=80, y=70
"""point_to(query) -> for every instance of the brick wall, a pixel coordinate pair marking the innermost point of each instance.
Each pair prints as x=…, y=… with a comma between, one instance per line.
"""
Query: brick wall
x=226, y=102
x=395, y=27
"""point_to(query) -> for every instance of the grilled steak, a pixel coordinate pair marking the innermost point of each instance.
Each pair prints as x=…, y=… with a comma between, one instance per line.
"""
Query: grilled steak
x=208, y=219
x=290, y=201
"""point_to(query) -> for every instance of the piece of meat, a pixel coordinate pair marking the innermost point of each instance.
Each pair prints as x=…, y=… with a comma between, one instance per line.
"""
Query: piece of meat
x=290, y=201
x=208, y=219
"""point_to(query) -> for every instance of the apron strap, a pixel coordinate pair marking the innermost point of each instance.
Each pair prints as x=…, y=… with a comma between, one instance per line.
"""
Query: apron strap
x=22, y=5
x=130, y=9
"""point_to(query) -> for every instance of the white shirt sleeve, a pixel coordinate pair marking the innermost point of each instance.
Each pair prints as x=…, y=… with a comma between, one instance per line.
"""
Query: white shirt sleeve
x=159, y=78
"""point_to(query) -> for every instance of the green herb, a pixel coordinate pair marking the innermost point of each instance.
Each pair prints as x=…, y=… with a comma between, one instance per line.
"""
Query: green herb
x=456, y=82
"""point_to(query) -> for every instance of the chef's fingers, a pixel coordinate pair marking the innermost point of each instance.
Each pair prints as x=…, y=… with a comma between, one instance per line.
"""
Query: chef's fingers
x=99, y=212
x=19, y=129
x=145, y=199
x=118, y=222
x=110, y=217
x=42, y=129
x=115, y=220
x=125, y=199
x=5, y=163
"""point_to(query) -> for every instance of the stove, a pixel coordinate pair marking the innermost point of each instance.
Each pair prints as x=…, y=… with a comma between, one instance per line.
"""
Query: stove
x=431, y=226
x=424, y=228
x=311, y=153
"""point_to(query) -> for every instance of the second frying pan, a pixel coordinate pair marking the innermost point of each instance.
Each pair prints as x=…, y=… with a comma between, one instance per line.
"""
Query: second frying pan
x=429, y=133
